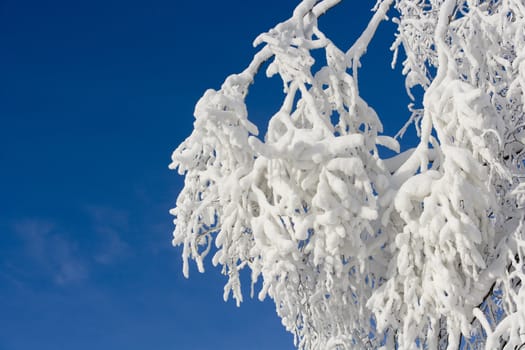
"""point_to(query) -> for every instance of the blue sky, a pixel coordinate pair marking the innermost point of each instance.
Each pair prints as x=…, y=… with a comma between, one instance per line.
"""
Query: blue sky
x=94, y=96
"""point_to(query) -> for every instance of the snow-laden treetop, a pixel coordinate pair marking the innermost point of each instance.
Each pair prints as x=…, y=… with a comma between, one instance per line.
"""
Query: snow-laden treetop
x=420, y=251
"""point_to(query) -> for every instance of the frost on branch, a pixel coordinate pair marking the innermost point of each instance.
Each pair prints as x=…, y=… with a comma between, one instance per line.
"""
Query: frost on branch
x=358, y=252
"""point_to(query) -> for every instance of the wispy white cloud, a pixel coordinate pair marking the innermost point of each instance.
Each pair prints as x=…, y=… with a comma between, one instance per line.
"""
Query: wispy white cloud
x=110, y=225
x=49, y=252
x=113, y=249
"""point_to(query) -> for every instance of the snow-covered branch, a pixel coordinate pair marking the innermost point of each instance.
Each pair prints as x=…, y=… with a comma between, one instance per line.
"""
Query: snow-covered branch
x=421, y=250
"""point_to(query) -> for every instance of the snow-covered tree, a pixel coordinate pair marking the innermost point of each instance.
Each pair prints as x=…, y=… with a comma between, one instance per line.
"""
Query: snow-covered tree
x=424, y=250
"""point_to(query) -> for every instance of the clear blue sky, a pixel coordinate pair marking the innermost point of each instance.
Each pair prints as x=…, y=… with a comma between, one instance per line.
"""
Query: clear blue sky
x=94, y=96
